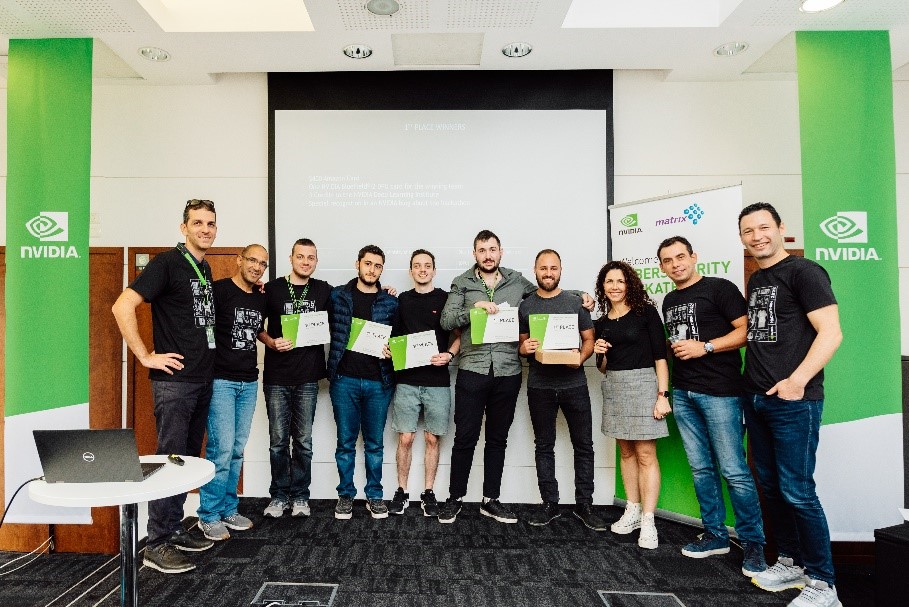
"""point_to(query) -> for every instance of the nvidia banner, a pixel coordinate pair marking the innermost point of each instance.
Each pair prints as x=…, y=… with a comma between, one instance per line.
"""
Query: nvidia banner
x=849, y=208
x=49, y=96
x=708, y=219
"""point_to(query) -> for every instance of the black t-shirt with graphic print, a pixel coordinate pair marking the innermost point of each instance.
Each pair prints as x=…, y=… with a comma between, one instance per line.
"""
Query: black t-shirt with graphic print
x=779, y=332
x=239, y=317
x=300, y=365
x=181, y=309
x=705, y=311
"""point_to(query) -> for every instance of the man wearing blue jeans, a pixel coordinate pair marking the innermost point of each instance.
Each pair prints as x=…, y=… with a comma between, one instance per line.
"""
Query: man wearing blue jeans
x=361, y=384
x=793, y=332
x=291, y=381
x=706, y=322
x=239, y=314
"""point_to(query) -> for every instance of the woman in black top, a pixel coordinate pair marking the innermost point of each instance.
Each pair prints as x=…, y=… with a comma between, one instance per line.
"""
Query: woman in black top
x=635, y=390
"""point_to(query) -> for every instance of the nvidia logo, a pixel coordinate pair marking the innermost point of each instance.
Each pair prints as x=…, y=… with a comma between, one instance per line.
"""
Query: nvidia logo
x=847, y=226
x=49, y=226
x=630, y=221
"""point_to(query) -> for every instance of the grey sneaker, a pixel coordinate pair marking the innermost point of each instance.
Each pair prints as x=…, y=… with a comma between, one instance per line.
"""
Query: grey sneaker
x=276, y=508
x=817, y=594
x=753, y=562
x=214, y=530
x=300, y=508
x=784, y=574
x=167, y=559
x=237, y=521
x=344, y=508
x=377, y=508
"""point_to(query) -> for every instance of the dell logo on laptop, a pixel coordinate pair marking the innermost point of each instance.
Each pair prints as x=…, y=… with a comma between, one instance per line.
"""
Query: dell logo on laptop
x=88, y=456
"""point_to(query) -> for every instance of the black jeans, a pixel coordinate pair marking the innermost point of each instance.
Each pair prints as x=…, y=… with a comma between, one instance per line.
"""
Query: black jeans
x=476, y=394
x=181, y=412
x=544, y=404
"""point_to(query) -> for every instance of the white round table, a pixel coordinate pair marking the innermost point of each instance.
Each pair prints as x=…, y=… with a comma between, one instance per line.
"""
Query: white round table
x=169, y=480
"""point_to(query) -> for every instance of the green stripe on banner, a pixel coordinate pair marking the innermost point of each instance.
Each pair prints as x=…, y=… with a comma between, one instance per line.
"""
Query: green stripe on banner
x=849, y=208
x=49, y=103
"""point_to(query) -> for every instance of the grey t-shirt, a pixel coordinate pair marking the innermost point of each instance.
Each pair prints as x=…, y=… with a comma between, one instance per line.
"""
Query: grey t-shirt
x=553, y=376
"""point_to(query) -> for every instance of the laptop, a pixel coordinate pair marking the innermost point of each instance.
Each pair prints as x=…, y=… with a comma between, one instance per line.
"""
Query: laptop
x=91, y=456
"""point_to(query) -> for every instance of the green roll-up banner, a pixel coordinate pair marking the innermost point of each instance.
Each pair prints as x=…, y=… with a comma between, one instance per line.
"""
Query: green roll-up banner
x=845, y=83
x=49, y=98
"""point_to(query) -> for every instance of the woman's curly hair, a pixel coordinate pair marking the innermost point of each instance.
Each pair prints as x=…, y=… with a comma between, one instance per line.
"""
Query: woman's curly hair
x=635, y=294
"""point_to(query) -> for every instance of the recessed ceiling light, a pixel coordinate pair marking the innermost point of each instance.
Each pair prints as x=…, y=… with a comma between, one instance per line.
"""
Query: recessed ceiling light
x=385, y=8
x=154, y=54
x=516, y=49
x=357, y=51
x=816, y=6
x=730, y=49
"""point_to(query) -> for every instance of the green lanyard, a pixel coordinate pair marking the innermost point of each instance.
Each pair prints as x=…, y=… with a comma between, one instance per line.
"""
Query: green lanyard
x=192, y=262
x=297, y=301
x=489, y=292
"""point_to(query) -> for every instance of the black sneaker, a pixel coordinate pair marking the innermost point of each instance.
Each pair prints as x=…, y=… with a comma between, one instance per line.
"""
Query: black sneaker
x=429, y=504
x=399, y=502
x=585, y=514
x=544, y=514
x=450, y=510
x=377, y=508
x=344, y=508
x=498, y=511
x=167, y=559
x=187, y=542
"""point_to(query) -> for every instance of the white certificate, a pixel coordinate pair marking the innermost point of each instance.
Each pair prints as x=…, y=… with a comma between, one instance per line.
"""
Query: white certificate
x=555, y=331
x=368, y=337
x=307, y=329
x=413, y=350
x=493, y=328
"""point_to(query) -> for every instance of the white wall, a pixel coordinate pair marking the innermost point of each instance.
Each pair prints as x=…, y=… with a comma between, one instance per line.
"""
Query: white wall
x=155, y=147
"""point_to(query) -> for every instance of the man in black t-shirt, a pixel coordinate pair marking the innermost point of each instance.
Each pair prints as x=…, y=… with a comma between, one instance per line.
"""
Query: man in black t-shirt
x=427, y=387
x=705, y=319
x=793, y=332
x=239, y=314
x=291, y=381
x=178, y=285
x=551, y=387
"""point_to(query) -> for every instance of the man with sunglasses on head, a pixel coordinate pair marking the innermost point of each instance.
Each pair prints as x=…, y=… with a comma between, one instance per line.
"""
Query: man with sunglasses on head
x=239, y=316
x=178, y=284
x=291, y=381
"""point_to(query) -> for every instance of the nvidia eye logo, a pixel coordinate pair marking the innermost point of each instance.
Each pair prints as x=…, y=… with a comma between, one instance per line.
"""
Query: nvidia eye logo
x=49, y=226
x=630, y=221
x=846, y=226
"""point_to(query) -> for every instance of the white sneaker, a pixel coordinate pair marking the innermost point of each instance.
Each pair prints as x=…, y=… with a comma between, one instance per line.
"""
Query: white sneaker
x=275, y=508
x=300, y=508
x=782, y=575
x=648, y=538
x=817, y=594
x=630, y=520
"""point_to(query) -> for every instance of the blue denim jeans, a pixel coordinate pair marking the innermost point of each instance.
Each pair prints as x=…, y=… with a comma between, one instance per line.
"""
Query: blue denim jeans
x=229, y=420
x=784, y=438
x=712, y=432
x=291, y=411
x=360, y=404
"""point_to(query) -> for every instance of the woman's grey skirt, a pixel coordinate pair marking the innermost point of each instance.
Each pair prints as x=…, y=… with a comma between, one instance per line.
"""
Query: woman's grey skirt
x=628, y=401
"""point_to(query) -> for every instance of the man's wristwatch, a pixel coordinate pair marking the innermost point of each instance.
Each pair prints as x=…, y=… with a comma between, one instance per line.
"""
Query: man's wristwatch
x=708, y=347
x=664, y=393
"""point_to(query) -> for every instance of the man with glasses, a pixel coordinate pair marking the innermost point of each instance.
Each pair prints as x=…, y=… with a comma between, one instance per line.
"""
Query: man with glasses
x=178, y=285
x=291, y=381
x=239, y=316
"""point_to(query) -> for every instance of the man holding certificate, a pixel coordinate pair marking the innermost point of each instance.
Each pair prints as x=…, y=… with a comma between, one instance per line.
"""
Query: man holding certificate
x=421, y=354
x=361, y=376
x=483, y=302
x=551, y=319
x=294, y=364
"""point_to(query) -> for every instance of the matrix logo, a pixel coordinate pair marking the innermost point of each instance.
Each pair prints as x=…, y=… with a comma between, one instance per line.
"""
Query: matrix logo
x=847, y=226
x=49, y=226
x=630, y=221
x=694, y=213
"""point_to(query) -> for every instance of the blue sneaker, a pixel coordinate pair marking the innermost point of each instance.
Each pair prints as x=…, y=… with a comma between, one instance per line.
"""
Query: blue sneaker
x=707, y=545
x=754, y=562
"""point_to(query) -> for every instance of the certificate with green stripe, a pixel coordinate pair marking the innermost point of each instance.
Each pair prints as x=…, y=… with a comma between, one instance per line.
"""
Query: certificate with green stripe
x=368, y=337
x=493, y=328
x=413, y=350
x=555, y=331
x=307, y=329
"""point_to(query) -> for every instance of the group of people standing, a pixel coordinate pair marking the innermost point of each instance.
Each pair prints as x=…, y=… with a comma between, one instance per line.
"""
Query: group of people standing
x=204, y=375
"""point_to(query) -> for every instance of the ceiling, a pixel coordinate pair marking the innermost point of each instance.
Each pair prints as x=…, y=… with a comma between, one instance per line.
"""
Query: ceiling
x=206, y=38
